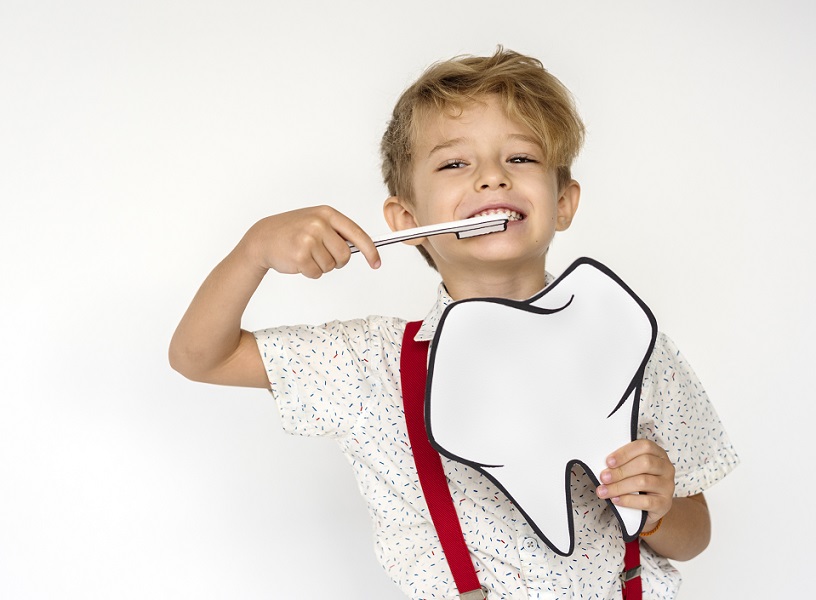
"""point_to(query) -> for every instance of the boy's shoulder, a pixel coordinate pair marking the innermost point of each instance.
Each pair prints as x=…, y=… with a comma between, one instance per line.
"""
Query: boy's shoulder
x=333, y=336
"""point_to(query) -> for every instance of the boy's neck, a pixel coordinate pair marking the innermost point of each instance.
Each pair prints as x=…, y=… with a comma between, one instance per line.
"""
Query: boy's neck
x=495, y=283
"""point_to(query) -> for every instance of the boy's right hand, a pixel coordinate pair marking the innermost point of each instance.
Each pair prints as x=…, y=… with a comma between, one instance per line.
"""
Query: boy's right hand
x=311, y=241
x=209, y=344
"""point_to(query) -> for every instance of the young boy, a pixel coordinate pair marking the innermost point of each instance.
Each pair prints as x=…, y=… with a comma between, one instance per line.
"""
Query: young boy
x=473, y=135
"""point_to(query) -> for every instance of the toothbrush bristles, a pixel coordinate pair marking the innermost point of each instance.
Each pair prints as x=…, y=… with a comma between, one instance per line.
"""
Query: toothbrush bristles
x=482, y=230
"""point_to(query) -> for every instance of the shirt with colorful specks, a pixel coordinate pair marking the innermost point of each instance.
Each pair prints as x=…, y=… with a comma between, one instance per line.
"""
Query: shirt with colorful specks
x=342, y=380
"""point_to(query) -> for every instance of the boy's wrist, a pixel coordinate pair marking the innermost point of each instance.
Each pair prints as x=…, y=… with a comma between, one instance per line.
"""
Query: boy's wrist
x=651, y=528
x=248, y=255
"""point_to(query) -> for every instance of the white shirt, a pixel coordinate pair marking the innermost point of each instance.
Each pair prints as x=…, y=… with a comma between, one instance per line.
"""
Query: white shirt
x=342, y=380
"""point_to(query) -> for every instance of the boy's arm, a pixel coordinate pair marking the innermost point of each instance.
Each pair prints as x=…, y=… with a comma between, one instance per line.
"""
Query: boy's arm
x=209, y=344
x=641, y=476
x=685, y=530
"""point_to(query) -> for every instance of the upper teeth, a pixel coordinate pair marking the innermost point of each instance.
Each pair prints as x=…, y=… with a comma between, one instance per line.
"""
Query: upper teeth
x=510, y=214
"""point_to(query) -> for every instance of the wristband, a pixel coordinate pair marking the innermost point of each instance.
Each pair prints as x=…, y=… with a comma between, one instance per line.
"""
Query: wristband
x=654, y=529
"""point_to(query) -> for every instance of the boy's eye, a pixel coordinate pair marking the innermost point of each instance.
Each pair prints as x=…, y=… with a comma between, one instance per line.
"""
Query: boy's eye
x=521, y=158
x=453, y=164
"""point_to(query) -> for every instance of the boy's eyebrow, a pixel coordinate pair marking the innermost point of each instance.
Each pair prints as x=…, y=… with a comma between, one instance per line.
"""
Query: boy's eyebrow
x=455, y=141
x=446, y=144
x=524, y=138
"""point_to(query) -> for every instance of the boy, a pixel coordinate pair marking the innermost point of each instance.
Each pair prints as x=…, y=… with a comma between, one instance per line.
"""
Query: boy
x=473, y=135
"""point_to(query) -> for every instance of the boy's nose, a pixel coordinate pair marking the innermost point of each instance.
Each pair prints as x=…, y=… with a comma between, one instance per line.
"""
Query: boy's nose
x=492, y=177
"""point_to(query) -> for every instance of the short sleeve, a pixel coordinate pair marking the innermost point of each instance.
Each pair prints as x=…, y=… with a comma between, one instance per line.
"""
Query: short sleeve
x=675, y=413
x=322, y=376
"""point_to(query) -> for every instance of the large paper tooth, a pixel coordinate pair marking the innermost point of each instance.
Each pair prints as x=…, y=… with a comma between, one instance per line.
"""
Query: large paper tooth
x=576, y=354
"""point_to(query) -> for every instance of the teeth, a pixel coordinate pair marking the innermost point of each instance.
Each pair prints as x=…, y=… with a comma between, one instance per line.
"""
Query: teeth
x=510, y=214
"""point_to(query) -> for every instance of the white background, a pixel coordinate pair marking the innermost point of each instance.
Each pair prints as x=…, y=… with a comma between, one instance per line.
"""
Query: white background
x=139, y=140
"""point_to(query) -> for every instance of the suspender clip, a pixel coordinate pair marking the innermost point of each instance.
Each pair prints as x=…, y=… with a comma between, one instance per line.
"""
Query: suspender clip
x=630, y=574
x=479, y=594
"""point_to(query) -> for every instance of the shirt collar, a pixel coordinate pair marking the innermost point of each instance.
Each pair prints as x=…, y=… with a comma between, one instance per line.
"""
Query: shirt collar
x=443, y=300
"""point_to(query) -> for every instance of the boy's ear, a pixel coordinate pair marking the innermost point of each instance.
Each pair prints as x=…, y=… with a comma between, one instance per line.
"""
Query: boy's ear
x=399, y=216
x=567, y=205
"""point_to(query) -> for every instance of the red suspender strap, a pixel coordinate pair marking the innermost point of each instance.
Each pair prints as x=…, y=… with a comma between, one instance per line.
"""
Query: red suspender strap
x=631, y=584
x=414, y=374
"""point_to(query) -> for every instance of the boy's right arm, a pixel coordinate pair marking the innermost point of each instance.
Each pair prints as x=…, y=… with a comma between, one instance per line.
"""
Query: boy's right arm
x=209, y=344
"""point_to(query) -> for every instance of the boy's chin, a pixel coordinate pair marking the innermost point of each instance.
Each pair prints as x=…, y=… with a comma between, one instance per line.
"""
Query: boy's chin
x=485, y=252
x=507, y=250
x=509, y=262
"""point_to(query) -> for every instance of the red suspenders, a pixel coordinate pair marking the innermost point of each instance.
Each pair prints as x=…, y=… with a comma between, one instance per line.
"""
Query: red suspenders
x=414, y=372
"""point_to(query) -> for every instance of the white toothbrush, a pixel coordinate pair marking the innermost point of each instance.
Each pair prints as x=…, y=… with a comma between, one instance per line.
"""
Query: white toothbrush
x=463, y=229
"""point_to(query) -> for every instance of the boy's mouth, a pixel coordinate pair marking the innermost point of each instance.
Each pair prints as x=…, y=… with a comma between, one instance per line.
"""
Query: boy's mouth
x=511, y=215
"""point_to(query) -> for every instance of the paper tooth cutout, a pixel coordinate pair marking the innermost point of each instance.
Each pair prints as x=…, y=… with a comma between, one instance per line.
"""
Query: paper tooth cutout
x=522, y=391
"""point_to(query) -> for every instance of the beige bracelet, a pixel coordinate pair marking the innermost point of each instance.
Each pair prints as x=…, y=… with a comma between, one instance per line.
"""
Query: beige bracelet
x=654, y=529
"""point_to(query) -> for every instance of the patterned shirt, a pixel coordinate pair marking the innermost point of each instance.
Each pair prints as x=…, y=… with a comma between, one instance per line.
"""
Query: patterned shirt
x=342, y=380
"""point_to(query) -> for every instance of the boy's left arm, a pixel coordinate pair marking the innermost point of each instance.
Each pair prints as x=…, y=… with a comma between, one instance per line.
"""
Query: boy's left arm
x=643, y=466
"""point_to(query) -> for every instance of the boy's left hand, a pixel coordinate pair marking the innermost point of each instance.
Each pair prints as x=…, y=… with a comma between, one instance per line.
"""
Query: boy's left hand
x=640, y=476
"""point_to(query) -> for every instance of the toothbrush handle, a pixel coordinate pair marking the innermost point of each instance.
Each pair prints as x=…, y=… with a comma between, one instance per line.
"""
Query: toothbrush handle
x=476, y=225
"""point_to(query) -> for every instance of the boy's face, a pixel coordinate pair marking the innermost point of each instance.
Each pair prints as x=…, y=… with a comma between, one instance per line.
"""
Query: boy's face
x=479, y=162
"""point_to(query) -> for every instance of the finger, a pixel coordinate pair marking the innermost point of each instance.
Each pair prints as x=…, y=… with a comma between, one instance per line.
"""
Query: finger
x=640, y=456
x=323, y=238
x=357, y=236
x=642, y=483
x=311, y=270
x=631, y=450
x=301, y=260
x=337, y=246
x=323, y=258
x=655, y=505
x=650, y=464
x=372, y=255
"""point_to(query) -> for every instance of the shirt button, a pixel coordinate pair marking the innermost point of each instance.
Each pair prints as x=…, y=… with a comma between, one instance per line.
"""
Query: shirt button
x=530, y=544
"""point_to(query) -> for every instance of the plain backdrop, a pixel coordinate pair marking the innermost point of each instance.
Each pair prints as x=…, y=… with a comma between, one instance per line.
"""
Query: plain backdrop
x=139, y=141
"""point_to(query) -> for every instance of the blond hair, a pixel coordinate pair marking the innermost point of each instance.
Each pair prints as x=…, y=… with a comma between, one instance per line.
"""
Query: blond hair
x=528, y=93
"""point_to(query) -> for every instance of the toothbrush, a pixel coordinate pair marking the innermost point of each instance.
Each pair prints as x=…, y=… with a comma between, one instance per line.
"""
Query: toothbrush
x=463, y=229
